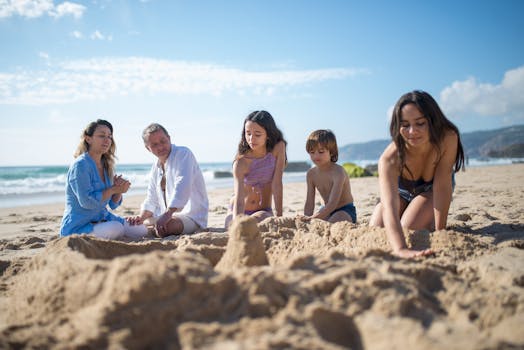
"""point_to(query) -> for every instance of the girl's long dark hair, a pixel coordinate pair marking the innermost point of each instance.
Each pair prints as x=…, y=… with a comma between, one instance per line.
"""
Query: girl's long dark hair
x=438, y=125
x=265, y=120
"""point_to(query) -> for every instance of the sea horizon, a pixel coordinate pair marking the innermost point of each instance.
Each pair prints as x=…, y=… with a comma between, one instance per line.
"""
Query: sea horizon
x=45, y=184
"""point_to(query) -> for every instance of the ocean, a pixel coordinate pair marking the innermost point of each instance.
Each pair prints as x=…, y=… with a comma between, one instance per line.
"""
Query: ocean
x=30, y=185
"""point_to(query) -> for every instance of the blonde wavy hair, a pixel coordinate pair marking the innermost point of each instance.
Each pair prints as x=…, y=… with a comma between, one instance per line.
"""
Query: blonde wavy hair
x=108, y=158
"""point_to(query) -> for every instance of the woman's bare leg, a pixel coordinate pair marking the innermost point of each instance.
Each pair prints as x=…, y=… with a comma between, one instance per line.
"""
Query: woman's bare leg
x=419, y=213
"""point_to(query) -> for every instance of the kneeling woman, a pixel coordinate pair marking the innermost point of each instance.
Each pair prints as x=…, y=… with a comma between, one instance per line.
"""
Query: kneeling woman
x=416, y=171
x=92, y=186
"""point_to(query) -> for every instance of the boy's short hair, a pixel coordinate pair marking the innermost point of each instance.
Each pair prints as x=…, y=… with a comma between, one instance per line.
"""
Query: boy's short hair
x=324, y=138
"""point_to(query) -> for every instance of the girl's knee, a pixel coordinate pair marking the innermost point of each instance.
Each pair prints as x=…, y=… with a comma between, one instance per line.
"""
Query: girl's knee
x=261, y=215
x=227, y=222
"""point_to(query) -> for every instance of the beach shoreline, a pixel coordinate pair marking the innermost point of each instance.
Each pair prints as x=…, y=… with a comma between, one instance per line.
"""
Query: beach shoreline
x=282, y=283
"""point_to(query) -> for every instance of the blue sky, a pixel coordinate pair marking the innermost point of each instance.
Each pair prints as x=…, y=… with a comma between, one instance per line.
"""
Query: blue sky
x=199, y=67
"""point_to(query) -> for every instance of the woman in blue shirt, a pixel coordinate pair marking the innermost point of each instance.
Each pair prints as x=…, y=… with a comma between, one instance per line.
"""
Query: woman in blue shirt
x=92, y=186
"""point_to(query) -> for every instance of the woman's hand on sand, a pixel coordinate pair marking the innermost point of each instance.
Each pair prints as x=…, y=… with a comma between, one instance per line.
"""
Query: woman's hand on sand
x=411, y=253
x=135, y=220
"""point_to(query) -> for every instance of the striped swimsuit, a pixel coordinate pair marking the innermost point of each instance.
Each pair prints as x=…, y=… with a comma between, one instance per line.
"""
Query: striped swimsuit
x=260, y=174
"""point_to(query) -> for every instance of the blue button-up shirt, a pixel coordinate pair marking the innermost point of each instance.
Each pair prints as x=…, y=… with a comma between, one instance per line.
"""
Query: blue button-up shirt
x=84, y=205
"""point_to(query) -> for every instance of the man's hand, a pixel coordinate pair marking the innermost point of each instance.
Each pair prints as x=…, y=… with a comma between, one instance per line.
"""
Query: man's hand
x=161, y=226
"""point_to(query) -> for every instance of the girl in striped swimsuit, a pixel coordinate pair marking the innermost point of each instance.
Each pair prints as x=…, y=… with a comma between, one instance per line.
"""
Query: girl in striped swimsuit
x=258, y=168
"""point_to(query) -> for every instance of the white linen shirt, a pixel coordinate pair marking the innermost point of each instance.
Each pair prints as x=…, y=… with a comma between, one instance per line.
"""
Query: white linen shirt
x=185, y=187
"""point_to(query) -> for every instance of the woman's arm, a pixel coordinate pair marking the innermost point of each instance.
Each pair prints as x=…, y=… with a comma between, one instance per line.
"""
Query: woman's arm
x=389, y=198
x=239, y=172
x=442, y=183
x=276, y=186
x=139, y=219
x=388, y=169
x=309, y=206
x=81, y=181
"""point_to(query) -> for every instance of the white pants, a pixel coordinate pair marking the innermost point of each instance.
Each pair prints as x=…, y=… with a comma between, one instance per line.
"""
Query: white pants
x=190, y=226
x=115, y=230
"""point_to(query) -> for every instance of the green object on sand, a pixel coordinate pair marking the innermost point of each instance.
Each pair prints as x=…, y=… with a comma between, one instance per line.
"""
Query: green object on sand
x=354, y=170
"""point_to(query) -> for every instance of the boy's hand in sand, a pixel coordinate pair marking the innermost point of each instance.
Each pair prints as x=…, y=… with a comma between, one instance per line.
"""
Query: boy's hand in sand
x=304, y=218
x=410, y=253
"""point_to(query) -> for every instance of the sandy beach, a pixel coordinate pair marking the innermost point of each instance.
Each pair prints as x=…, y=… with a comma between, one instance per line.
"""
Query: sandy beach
x=281, y=284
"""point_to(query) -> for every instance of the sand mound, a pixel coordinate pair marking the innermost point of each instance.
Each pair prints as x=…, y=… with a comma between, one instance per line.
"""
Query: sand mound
x=245, y=247
x=94, y=248
x=326, y=287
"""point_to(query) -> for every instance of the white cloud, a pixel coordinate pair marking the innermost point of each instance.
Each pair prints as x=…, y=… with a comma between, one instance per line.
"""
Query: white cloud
x=100, y=78
x=38, y=8
x=470, y=97
x=97, y=35
x=76, y=34
x=69, y=8
x=25, y=8
x=43, y=55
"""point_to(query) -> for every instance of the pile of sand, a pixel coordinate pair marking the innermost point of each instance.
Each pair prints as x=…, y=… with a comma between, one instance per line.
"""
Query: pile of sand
x=281, y=284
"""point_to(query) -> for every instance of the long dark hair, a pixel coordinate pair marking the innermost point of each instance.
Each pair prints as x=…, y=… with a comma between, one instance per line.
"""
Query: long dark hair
x=108, y=158
x=265, y=120
x=438, y=124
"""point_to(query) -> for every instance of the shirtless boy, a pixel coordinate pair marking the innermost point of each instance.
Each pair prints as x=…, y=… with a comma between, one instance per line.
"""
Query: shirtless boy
x=330, y=179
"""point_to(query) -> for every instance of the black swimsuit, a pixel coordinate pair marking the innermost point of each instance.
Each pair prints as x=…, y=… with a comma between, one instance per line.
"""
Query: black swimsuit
x=409, y=189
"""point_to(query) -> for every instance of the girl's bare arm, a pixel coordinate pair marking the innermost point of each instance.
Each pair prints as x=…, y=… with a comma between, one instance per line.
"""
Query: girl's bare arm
x=276, y=186
x=239, y=171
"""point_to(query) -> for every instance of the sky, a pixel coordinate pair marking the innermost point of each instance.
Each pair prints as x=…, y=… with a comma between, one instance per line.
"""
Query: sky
x=200, y=67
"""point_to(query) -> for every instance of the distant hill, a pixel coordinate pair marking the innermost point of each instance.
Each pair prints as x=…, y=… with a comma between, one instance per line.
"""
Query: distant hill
x=499, y=143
